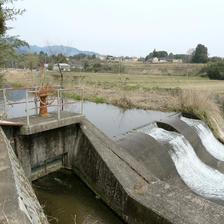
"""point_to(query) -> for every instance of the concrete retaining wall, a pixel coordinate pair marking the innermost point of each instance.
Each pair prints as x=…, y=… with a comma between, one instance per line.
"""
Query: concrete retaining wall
x=43, y=152
x=132, y=191
x=18, y=202
x=111, y=178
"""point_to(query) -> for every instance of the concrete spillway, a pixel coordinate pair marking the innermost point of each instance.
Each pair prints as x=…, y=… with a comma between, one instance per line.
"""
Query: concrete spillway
x=151, y=154
x=143, y=177
x=206, y=147
x=202, y=179
x=211, y=144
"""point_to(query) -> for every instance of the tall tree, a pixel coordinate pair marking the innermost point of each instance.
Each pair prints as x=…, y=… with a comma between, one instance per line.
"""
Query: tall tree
x=8, y=44
x=200, y=55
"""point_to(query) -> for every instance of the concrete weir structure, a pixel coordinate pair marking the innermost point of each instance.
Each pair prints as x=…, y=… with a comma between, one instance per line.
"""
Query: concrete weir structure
x=134, y=176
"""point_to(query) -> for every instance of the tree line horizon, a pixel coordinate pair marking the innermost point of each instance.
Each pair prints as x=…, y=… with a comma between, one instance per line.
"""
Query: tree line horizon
x=197, y=55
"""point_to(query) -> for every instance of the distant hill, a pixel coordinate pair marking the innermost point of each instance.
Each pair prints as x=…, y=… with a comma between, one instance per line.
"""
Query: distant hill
x=54, y=49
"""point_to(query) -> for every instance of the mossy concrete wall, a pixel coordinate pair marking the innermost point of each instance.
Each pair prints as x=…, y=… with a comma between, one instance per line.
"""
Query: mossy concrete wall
x=43, y=152
x=18, y=202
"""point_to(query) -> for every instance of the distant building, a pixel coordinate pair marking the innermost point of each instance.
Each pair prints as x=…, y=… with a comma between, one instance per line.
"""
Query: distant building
x=153, y=60
x=156, y=60
x=135, y=59
x=101, y=57
x=162, y=60
x=75, y=66
x=177, y=61
x=63, y=66
x=110, y=58
x=131, y=59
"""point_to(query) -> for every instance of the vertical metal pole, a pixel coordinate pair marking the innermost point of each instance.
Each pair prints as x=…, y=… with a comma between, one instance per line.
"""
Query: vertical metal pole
x=35, y=100
x=5, y=103
x=27, y=110
x=61, y=85
x=58, y=104
x=82, y=101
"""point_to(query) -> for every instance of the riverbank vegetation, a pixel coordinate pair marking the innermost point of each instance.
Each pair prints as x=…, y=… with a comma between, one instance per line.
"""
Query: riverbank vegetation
x=215, y=70
x=154, y=87
x=203, y=106
x=148, y=91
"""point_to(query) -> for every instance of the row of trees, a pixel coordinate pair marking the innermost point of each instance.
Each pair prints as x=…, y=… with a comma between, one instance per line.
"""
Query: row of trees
x=35, y=61
x=198, y=55
x=78, y=62
x=214, y=69
x=157, y=54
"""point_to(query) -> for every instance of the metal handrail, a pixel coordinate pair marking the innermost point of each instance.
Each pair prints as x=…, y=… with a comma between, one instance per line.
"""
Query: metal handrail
x=60, y=103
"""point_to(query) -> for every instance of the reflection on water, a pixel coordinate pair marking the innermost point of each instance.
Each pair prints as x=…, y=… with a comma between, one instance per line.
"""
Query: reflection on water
x=15, y=95
x=114, y=121
x=67, y=200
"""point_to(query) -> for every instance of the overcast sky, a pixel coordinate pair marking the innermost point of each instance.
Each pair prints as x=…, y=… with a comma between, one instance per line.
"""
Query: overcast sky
x=124, y=27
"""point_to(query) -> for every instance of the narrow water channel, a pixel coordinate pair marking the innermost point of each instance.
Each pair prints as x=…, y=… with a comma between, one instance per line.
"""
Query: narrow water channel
x=112, y=120
x=67, y=200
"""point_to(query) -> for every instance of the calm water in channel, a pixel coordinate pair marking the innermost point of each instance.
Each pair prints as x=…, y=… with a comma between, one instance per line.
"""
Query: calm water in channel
x=66, y=199
x=113, y=121
x=64, y=196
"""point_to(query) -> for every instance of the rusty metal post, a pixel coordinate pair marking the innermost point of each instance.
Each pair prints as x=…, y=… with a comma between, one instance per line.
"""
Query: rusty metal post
x=43, y=94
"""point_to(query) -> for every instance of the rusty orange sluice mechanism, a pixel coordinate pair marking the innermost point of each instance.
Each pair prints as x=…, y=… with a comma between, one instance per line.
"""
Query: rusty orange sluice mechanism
x=43, y=94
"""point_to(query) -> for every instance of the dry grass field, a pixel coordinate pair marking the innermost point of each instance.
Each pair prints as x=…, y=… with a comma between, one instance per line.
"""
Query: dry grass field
x=123, y=81
x=147, y=91
x=162, y=91
x=153, y=89
x=173, y=69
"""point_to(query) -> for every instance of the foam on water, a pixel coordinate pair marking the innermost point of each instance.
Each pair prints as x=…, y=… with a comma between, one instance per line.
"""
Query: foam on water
x=211, y=144
x=201, y=178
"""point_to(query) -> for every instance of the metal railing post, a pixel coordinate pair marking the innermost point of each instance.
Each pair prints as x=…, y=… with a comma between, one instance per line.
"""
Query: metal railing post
x=5, y=103
x=35, y=101
x=27, y=110
x=82, y=99
x=59, y=104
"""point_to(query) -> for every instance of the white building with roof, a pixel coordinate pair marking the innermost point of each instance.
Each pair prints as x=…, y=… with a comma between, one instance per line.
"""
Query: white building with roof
x=63, y=66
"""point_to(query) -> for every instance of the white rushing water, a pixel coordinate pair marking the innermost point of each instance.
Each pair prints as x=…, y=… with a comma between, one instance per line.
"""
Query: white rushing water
x=211, y=144
x=199, y=177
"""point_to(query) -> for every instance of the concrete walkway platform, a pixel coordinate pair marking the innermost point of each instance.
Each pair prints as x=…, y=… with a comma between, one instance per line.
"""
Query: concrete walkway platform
x=39, y=124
